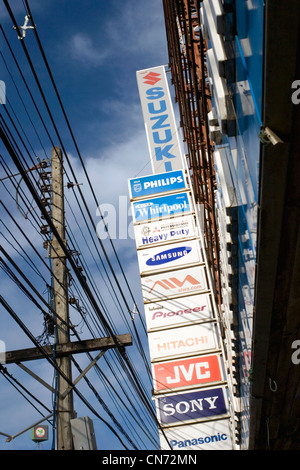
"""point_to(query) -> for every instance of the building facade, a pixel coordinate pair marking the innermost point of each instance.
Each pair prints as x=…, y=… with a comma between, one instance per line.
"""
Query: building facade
x=216, y=62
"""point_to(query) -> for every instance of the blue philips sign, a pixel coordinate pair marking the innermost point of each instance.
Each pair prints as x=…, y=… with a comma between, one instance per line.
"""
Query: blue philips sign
x=159, y=183
x=192, y=406
x=160, y=207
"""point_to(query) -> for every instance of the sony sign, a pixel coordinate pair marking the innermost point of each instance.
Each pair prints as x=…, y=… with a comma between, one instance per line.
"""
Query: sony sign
x=192, y=406
x=161, y=129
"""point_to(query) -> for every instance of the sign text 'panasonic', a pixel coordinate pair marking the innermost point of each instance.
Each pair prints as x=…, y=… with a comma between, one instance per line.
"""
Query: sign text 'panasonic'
x=210, y=435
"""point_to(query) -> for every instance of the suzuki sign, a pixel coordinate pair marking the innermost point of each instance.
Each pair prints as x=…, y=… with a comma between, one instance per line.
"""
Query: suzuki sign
x=160, y=125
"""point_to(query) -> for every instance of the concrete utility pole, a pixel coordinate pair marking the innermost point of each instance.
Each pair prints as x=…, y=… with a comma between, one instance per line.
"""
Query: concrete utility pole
x=65, y=409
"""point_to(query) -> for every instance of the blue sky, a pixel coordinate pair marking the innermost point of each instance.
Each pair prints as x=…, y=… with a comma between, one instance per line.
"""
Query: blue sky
x=94, y=49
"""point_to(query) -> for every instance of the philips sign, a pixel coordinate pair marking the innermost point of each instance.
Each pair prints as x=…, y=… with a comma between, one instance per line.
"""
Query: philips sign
x=192, y=406
x=160, y=183
x=161, y=207
x=162, y=134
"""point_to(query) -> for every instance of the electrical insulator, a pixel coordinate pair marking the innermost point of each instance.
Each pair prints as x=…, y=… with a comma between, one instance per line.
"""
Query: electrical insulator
x=44, y=175
x=44, y=229
x=45, y=188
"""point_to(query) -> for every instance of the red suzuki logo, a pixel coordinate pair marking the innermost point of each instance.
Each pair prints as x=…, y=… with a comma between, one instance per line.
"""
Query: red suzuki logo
x=152, y=78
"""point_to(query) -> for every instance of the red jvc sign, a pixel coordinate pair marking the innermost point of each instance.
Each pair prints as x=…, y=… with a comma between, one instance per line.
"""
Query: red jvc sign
x=186, y=372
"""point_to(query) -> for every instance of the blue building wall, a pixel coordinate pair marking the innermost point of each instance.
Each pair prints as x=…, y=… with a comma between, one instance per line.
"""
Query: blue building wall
x=236, y=80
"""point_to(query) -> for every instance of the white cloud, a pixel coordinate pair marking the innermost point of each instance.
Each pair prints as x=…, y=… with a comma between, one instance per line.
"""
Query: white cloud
x=83, y=49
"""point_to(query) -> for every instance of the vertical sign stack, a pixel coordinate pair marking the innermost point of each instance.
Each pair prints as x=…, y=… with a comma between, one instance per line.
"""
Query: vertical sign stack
x=186, y=352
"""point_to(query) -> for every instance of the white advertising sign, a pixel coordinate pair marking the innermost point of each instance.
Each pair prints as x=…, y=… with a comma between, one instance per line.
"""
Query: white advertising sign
x=169, y=257
x=160, y=124
x=166, y=231
x=179, y=311
x=185, y=341
x=209, y=435
x=178, y=283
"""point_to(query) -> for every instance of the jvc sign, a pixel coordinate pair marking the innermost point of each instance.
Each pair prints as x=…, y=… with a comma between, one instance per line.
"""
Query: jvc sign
x=163, y=139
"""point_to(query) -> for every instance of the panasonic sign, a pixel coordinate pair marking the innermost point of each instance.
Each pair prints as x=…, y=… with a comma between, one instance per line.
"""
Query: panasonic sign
x=157, y=108
x=209, y=435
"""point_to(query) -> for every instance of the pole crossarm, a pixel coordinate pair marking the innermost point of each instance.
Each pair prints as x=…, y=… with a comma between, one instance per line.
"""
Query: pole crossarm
x=67, y=349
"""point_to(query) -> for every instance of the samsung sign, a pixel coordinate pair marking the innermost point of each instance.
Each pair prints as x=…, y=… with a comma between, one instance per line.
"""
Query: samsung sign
x=154, y=184
x=170, y=256
x=161, y=207
x=161, y=130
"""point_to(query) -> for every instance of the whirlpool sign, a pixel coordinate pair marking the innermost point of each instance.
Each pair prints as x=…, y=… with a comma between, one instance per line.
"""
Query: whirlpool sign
x=162, y=134
x=162, y=207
